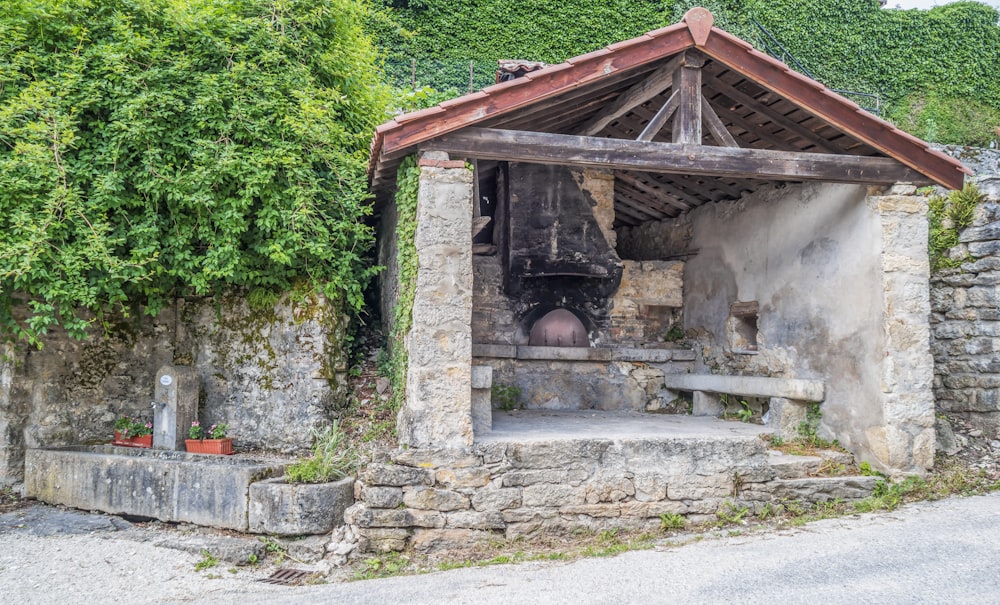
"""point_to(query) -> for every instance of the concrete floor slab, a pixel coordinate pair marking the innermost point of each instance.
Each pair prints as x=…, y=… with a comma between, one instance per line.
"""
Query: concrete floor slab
x=551, y=425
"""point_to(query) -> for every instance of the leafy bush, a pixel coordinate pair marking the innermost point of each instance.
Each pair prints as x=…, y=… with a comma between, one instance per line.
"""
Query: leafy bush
x=333, y=458
x=151, y=149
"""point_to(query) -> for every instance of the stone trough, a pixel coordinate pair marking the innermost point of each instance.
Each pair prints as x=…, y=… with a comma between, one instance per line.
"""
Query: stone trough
x=166, y=485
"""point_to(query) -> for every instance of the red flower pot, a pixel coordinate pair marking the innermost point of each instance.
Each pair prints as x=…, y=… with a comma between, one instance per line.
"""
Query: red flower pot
x=143, y=441
x=210, y=446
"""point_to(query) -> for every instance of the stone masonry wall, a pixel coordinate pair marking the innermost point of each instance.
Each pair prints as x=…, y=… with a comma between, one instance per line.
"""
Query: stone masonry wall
x=965, y=301
x=270, y=375
x=436, y=499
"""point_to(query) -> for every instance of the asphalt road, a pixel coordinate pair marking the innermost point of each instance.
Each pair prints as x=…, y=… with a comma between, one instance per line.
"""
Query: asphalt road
x=943, y=552
x=940, y=552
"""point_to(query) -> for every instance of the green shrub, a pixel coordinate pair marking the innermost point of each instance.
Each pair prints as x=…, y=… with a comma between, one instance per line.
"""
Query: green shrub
x=154, y=149
x=333, y=458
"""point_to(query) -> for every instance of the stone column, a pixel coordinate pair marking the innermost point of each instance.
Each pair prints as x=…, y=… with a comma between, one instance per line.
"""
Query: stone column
x=438, y=407
x=904, y=441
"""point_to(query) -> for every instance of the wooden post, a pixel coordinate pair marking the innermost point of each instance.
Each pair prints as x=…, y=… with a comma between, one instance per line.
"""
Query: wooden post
x=687, y=118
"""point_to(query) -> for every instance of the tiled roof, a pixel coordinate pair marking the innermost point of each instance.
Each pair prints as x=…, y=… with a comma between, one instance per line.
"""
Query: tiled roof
x=566, y=87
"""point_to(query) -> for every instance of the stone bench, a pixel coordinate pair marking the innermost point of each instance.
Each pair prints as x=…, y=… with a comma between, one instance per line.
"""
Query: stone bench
x=789, y=397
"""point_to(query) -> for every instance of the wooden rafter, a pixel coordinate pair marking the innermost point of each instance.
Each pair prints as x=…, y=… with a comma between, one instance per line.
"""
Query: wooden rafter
x=715, y=126
x=659, y=119
x=570, y=150
x=719, y=86
x=656, y=83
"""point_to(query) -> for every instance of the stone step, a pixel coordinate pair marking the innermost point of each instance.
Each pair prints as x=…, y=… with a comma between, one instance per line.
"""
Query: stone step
x=789, y=466
x=822, y=489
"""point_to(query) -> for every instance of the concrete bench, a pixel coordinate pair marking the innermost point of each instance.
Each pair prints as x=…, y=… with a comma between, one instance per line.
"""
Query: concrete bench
x=789, y=397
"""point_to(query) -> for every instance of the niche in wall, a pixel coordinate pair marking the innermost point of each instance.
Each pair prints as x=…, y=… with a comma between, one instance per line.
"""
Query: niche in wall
x=741, y=327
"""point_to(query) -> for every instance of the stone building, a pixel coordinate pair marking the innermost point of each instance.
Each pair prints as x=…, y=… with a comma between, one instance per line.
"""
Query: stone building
x=674, y=223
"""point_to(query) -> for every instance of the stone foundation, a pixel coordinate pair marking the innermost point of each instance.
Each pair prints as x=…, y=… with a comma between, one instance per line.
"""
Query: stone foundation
x=436, y=499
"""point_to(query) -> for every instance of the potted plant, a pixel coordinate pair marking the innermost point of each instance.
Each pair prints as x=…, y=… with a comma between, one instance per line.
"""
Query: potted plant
x=212, y=440
x=133, y=432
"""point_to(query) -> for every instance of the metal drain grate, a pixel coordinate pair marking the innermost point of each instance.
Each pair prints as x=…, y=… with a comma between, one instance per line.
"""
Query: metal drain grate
x=289, y=577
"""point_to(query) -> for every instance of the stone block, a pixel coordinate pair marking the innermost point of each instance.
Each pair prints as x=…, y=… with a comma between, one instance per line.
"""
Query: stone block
x=529, y=515
x=383, y=539
x=557, y=454
x=609, y=490
x=520, y=478
x=476, y=520
x=700, y=487
x=496, y=499
x=436, y=458
x=500, y=351
x=427, y=498
x=592, y=510
x=706, y=404
x=463, y=477
x=824, y=489
x=289, y=509
x=381, y=497
x=428, y=541
x=396, y=475
x=482, y=377
x=653, y=509
x=549, y=494
x=649, y=488
x=785, y=416
x=399, y=517
x=159, y=484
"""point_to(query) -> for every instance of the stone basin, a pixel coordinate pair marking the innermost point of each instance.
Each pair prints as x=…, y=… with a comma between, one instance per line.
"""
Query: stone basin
x=160, y=484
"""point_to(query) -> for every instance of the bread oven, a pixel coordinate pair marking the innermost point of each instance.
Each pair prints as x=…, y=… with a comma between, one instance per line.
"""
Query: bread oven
x=557, y=314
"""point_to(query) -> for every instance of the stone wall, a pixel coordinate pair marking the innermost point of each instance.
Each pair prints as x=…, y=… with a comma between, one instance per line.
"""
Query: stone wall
x=271, y=375
x=965, y=302
x=435, y=499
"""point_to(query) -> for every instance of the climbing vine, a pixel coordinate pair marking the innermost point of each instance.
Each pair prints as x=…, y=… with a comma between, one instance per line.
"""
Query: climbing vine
x=151, y=149
x=407, y=185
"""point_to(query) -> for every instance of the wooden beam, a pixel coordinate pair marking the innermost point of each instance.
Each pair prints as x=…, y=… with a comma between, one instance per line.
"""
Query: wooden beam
x=675, y=197
x=719, y=86
x=660, y=118
x=715, y=126
x=653, y=200
x=619, y=154
x=845, y=116
x=656, y=83
x=687, y=119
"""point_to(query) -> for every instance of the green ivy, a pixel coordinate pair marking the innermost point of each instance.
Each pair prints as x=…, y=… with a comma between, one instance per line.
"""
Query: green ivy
x=407, y=186
x=151, y=149
x=937, y=72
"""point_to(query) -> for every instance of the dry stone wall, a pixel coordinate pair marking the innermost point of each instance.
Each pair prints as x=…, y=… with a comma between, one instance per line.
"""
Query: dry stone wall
x=438, y=499
x=271, y=375
x=965, y=319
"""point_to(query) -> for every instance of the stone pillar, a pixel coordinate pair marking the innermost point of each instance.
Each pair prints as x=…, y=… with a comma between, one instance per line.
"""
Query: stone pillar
x=438, y=407
x=175, y=406
x=904, y=442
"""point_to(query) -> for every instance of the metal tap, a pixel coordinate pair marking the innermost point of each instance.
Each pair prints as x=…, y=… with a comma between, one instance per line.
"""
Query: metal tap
x=155, y=404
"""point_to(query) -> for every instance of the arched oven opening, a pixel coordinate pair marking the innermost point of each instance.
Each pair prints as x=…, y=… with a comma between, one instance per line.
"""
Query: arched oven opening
x=559, y=328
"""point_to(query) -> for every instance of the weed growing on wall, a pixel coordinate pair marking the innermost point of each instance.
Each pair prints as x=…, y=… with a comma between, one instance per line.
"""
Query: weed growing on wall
x=947, y=216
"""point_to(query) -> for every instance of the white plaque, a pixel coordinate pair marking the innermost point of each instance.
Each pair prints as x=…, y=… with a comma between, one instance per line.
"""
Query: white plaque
x=166, y=380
